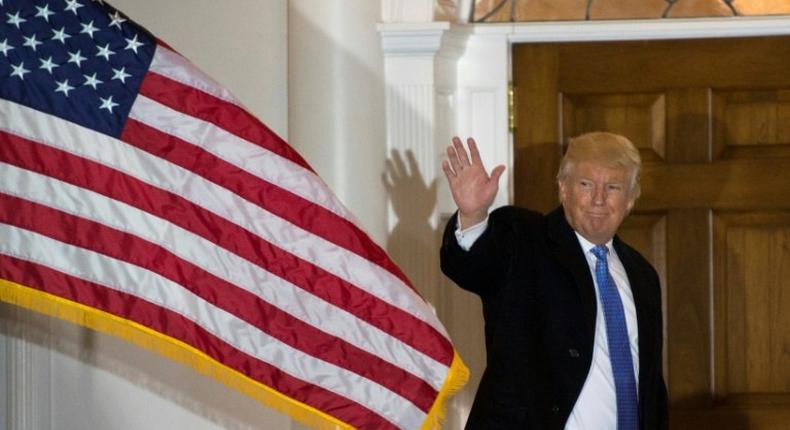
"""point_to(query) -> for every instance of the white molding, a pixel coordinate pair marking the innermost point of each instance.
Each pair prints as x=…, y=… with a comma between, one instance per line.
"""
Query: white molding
x=412, y=39
x=648, y=29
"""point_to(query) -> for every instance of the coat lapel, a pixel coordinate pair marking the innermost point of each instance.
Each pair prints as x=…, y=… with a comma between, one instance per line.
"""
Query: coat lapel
x=566, y=247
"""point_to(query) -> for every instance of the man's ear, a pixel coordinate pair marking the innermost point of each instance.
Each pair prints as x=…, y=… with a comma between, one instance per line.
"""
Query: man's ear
x=563, y=190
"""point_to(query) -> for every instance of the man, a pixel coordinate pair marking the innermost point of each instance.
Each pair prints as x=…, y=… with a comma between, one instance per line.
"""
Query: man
x=573, y=320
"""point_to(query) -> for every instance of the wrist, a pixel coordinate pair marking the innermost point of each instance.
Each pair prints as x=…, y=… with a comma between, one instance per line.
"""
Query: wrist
x=466, y=220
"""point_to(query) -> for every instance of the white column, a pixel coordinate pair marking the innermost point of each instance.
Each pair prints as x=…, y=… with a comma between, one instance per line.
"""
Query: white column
x=4, y=370
x=445, y=80
x=420, y=71
x=336, y=101
x=25, y=362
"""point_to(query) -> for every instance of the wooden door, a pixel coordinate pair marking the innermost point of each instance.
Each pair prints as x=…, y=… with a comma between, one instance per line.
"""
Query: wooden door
x=712, y=121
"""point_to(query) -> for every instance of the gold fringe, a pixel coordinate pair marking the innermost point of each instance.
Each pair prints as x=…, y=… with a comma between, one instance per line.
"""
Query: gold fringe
x=187, y=355
x=169, y=347
x=457, y=377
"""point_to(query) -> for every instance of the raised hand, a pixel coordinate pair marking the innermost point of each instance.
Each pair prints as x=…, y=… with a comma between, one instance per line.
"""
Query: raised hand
x=472, y=187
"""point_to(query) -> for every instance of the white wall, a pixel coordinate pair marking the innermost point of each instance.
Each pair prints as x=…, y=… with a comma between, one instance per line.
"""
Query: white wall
x=240, y=43
x=336, y=101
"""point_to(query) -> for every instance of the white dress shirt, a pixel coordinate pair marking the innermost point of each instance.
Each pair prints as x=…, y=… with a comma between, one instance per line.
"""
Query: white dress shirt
x=596, y=407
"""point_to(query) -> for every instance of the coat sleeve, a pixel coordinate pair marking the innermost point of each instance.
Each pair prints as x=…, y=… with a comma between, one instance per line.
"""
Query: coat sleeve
x=484, y=268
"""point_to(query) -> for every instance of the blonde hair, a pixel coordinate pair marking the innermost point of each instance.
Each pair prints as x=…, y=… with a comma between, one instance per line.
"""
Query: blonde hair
x=605, y=149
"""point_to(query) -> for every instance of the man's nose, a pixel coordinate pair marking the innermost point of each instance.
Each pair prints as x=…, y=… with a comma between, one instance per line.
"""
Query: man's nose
x=599, y=195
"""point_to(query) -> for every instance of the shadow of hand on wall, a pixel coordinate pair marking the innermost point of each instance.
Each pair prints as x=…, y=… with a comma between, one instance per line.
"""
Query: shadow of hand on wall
x=412, y=243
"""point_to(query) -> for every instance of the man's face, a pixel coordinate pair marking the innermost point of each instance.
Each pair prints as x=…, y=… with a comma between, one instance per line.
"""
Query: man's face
x=596, y=199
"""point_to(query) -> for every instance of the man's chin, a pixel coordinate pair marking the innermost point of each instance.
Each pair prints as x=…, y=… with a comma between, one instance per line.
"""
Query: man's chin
x=598, y=235
x=597, y=226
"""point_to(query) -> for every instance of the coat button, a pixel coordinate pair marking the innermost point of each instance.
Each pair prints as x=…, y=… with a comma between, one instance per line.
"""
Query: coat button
x=555, y=409
x=573, y=352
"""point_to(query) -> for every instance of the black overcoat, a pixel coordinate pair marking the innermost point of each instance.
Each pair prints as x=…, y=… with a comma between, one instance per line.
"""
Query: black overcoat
x=539, y=308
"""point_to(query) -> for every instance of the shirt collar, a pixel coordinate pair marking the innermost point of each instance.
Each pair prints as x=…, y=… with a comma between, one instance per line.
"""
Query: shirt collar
x=587, y=245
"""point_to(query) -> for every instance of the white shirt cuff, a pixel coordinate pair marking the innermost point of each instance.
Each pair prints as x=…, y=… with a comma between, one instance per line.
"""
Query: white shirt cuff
x=468, y=236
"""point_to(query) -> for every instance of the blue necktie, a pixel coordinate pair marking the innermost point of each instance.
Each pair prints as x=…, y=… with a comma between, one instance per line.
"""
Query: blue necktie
x=619, y=346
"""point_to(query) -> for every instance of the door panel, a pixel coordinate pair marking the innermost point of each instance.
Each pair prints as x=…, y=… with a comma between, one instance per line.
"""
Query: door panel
x=753, y=123
x=639, y=116
x=753, y=303
x=711, y=119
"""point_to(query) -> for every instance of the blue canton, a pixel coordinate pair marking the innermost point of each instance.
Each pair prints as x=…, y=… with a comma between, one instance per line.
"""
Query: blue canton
x=80, y=60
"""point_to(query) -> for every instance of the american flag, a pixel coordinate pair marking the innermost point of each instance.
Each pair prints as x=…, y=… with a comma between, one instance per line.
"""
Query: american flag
x=139, y=197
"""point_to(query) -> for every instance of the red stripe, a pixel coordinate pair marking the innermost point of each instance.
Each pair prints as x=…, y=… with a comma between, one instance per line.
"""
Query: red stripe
x=245, y=305
x=215, y=110
x=286, y=205
x=116, y=185
x=178, y=327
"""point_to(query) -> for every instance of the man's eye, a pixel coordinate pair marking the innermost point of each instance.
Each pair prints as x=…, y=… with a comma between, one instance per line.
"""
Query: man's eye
x=615, y=187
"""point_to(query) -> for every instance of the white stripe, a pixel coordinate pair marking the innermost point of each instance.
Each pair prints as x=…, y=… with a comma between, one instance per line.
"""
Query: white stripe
x=221, y=263
x=173, y=66
x=116, y=154
x=251, y=158
x=131, y=279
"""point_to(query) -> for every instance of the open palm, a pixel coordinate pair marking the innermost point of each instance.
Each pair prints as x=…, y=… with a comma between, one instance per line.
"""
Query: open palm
x=472, y=187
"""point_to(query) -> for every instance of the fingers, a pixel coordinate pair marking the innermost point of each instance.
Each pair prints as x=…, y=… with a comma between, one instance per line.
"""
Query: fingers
x=473, y=152
x=497, y=172
x=448, y=171
x=459, y=159
x=388, y=177
x=463, y=158
x=398, y=166
x=414, y=168
x=452, y=157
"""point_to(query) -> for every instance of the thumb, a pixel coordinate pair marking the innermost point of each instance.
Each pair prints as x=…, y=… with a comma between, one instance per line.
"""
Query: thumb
x=497, y=172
